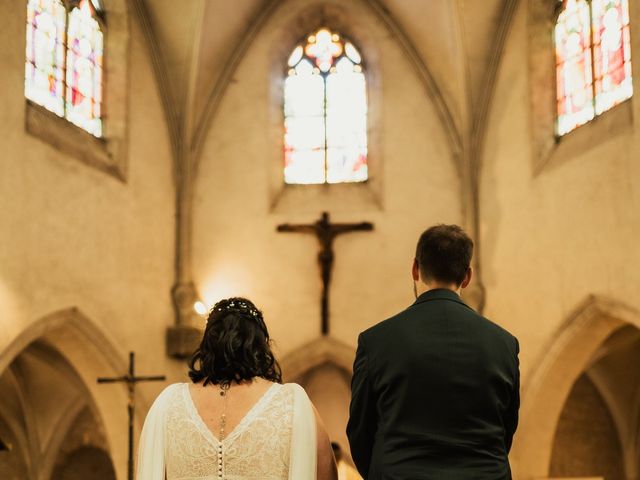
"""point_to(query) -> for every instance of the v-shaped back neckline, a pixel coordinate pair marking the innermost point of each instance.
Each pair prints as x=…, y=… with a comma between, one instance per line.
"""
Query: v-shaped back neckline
x=246, y=419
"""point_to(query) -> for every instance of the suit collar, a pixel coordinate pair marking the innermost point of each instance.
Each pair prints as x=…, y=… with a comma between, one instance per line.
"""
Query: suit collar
x=439, y=294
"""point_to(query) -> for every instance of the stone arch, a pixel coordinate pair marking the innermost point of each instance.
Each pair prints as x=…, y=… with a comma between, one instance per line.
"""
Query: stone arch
x=318, y=352
x=569, y=354
x=17, y=465
x=85, y=462
x=324, y=368
x=90, y=353
x=587, y=440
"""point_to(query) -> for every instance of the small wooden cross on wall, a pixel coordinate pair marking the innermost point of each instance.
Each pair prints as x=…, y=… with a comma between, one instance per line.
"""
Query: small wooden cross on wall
x=131, y=380
x=326, y=232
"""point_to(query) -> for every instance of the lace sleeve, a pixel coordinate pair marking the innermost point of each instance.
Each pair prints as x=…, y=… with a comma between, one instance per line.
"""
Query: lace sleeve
x=304, y=453
x=151, y=451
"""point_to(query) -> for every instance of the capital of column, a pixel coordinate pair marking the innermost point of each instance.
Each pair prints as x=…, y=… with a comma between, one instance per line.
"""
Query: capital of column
x=184, y=337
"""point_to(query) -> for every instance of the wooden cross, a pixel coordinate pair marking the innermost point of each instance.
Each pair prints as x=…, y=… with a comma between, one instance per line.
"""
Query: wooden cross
x=326, y=232
x=131, y=380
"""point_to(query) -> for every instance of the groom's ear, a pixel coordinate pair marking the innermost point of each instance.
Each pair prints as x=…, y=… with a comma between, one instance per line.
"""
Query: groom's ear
x=467, y=278
x=415, y=271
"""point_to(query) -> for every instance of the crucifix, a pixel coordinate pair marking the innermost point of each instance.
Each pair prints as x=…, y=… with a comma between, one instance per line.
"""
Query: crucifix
x=326, y=232
x=131, y=380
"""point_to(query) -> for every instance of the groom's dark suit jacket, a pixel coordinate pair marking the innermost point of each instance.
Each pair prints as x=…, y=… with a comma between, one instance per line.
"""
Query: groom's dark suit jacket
x=435, y=394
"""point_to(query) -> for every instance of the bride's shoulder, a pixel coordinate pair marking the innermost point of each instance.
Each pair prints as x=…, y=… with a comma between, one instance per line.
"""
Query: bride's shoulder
x=291, y=386
x=295, y=389
x=174, y=387
x=170, y=391
x=163, y=401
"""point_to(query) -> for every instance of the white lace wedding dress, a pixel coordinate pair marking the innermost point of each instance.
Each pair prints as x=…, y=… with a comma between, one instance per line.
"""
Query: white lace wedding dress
x=276, y=440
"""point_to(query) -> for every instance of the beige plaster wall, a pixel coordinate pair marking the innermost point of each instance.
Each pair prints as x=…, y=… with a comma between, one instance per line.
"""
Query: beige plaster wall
x=72, y=235
x=236, y=248
x=550, y=239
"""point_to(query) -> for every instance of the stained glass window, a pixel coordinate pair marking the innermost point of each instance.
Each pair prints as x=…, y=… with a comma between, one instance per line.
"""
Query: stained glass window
x=612, y=53
x=63, y=67
x=325, y=109
x=593, y=60
x=44, y=65
x=573, y=66
x=84, y=69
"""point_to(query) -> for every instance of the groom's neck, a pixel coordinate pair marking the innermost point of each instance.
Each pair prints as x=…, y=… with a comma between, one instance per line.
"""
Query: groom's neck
x=423, y=287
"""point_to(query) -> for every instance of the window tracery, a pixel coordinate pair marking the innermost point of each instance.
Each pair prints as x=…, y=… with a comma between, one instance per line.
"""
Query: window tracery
x=593, y=60
x=64, y=55
x=325, y=112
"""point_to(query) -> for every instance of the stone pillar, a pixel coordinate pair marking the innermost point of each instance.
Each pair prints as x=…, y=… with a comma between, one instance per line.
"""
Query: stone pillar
x=184, y=337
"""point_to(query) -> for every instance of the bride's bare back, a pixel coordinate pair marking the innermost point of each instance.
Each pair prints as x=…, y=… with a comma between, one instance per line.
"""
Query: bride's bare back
x=256, y=428
x=241, y=400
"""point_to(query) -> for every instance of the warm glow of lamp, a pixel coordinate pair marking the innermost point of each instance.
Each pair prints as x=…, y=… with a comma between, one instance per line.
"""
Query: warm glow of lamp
x=232, y=279
x=200, y=308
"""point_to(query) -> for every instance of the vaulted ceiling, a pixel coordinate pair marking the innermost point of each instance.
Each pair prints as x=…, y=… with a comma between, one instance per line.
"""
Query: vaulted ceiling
x=197, y=38
x=454, y=46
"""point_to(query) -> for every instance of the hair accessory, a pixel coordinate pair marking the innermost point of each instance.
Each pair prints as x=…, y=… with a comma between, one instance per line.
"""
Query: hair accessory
x=236, y=304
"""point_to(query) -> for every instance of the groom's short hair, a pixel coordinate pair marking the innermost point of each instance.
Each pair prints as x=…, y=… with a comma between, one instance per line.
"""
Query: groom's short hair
x=444, y=254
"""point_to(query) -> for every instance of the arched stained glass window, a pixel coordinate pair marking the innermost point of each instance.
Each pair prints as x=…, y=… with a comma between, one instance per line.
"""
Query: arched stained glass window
x=593, y=60
x=44, y=66
x=325, y=110
x=64, y=60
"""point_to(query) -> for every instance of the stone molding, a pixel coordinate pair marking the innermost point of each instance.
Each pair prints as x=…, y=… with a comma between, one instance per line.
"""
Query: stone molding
x=568, y=355
x=318, y=352
x=75, y=142
x=91, y=353
x=160, y=74
x=474, y=150
x=71, y=320
x=184, y=337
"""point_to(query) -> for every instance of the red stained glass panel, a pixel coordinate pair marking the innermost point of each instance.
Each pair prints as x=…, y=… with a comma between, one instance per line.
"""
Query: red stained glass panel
x=612, y=53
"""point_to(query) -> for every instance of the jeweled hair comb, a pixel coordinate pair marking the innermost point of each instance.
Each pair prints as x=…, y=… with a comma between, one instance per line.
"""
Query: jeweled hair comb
x=236, y=305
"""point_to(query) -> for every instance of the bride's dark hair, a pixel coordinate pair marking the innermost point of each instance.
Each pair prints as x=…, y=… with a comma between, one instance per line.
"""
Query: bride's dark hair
x=235, y=346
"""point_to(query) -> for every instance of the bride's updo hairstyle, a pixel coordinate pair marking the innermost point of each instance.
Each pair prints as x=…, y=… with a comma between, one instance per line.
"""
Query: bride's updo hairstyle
x=235, y=346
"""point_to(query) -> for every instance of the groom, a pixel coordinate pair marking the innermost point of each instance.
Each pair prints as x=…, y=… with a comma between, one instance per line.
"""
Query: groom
x=435, y=389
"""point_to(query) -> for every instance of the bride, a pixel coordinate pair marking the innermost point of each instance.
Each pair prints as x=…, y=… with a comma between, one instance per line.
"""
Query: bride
x=235, y=420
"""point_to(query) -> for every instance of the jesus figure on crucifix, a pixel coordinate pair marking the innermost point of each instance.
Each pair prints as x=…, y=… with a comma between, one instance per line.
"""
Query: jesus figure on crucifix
x=326, y=232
